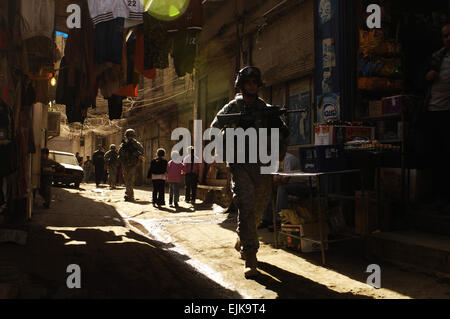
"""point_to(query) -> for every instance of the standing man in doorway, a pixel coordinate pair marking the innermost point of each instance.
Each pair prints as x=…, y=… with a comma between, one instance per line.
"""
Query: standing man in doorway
x=130, y=153
x=112, y=164
x=438, y=118
x=99, y=165
x=251, y=189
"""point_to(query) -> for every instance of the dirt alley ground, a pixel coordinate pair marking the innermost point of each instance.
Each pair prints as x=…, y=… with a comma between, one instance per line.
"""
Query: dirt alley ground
x=134, y=250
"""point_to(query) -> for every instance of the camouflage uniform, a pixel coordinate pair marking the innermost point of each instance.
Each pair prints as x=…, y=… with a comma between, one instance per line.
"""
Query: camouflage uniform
x=129, y=156
x=252, y=191
x=112, y=161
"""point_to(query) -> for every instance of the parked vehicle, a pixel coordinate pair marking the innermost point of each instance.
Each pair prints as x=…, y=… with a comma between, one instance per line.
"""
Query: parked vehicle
x=73, y=172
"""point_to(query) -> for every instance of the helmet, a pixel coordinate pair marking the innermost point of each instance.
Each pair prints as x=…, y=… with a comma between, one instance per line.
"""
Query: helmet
x=130, y=133
x=248, y=72
x=112, y=146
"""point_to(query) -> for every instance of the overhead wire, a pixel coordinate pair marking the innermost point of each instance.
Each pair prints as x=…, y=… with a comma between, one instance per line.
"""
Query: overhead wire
x=163, y=100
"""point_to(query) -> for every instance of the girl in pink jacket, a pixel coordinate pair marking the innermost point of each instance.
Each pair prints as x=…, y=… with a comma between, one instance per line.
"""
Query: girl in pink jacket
x=174, y=180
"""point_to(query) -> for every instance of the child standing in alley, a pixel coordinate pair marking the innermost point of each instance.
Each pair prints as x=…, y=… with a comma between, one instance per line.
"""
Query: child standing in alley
x=157, y=172
x=174, y=179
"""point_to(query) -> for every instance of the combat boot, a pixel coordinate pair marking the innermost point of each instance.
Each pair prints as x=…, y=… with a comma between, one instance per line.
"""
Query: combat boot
x=237, y=246
x=251, y=264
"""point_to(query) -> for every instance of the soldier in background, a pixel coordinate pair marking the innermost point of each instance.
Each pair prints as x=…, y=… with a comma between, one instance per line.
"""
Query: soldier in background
x=251, y=190
x=112, y=164
x=48, y=167
x=99, y=165
x=130, y=153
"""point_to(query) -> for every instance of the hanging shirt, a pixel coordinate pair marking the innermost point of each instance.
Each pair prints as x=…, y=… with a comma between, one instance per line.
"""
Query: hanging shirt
x=80, y=57
x=140, y=58
x=105, y=10
x=157, y=44
x=184, y=51
x=38, y=18
x=115, y=105
x=132, y=11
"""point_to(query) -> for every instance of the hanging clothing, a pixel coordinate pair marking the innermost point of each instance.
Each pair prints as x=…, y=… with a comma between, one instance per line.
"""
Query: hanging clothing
x=132, y=11
x=41, y=89
x=139, y=56
x=80, y=59
x=107, y=10
x=28, y=94
x=115, y=104
x=184, y=51
x=38, y=18
x=109, y=36
x=192, y=19
x=37, y=27
x=130, y=90
x=74, y=114
x=8, y=160
x=62, y=92
x=111, y=80
x=6, y=123
x=4, y=41
x=157, y=44
x=101, y=10
x=66, y=92
x=130, y=78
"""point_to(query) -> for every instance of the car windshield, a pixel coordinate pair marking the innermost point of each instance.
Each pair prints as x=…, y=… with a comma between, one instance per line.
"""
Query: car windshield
x=65, y=159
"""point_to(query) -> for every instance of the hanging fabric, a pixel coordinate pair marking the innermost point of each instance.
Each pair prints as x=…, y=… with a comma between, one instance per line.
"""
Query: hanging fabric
x=107, y=10
x=139, y=55
x=80, y=59
x=4, y=41
x=38, y=17
x=157, y=44
x=115, y=105
x=109, y=37
x=111, y=80
x=130, y=78
x=184, y=51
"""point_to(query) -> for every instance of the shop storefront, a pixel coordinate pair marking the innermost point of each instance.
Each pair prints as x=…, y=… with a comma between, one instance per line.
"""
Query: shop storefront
x=370, y=81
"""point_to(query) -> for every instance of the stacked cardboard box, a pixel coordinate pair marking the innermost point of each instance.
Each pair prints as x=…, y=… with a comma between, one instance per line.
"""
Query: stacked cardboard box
x=305, y=231
x=333, y=135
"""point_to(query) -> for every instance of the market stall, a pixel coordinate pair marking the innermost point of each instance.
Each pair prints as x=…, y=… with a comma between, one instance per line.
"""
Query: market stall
x=369, y=94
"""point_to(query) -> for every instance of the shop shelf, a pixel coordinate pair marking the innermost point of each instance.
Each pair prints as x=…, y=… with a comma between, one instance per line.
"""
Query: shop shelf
x=381, y=117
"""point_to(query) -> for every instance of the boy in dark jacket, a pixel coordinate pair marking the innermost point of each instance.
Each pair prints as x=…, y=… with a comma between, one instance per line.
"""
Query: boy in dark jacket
x=157, y=172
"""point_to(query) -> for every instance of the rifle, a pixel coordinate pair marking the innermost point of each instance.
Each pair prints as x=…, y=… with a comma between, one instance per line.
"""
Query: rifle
x=253, y=118
x=129, y=149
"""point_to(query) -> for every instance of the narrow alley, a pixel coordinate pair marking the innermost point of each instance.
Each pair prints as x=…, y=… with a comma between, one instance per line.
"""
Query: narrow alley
x=134, y=250
x=221, y=150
